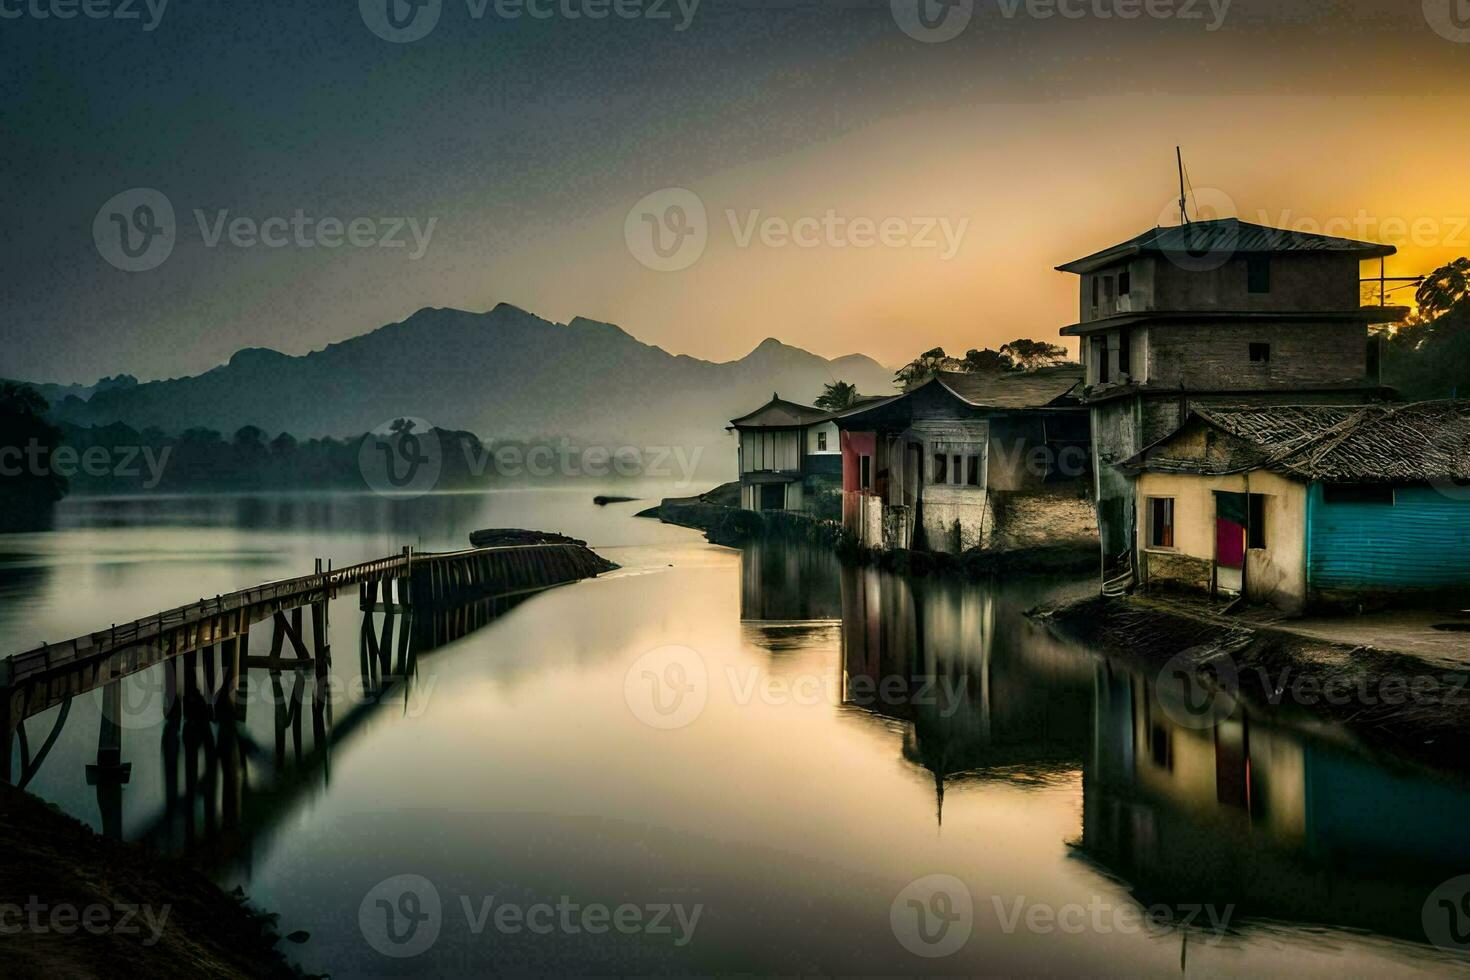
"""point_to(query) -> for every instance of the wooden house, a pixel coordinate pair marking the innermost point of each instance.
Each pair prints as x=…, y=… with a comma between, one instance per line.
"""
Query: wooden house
x=788, y=454
x=1309, y=507
x=966, y=461
x=1212, y=313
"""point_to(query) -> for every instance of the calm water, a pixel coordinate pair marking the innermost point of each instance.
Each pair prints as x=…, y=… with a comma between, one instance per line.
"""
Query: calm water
x=720, y=761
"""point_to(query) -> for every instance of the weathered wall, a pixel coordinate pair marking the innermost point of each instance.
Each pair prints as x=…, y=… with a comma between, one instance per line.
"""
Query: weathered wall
x=1275, y=574
x=770, y=450
x=1043, y=518
x=1216, y=356
x=814, y=435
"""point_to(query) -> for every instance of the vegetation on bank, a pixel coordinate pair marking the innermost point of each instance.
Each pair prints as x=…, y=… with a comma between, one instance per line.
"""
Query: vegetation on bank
x=149, y=915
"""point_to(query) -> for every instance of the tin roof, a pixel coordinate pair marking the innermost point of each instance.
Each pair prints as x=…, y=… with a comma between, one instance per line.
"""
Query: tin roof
x=1042, y=388
x=1224, y=235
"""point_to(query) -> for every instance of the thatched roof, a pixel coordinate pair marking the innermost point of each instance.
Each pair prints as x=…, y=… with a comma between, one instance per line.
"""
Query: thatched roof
x=1421, y=442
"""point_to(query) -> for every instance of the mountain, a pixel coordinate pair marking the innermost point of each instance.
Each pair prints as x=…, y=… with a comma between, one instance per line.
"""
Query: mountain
x=505, y=374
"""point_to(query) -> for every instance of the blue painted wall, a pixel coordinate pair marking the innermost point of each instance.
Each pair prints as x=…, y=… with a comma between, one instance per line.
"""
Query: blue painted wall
x=1421, y=541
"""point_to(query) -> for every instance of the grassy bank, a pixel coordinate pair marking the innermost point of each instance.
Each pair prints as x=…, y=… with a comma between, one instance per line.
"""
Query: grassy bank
x=74, y=904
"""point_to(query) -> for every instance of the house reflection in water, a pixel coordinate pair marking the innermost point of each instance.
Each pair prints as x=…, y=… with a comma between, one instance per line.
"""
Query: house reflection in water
x=1281, y=825
x=978, y=702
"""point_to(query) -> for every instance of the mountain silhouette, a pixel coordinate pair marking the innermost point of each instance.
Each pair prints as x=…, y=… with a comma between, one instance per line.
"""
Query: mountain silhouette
x=504, y=375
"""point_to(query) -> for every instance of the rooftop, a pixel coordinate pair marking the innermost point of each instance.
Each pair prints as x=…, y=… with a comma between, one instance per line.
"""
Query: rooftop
x=1230, y=235
x=1421, y=442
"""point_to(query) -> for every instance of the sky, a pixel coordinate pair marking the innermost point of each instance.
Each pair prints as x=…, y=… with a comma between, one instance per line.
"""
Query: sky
x=844, y=176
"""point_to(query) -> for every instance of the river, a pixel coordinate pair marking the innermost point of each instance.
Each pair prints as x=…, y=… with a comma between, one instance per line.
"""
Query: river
x=720, y=760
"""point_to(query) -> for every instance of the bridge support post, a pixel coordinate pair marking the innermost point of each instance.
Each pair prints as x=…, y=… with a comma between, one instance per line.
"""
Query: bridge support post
x=110, y=772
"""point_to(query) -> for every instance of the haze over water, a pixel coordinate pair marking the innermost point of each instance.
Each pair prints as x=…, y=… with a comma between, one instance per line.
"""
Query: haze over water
x=853, y=733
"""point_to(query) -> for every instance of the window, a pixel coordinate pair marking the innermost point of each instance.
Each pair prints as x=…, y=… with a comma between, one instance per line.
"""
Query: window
x=821, y=442
x=1108, y=290
x=1258, y=271
x=1161, y=522
x=1358, y=493
x=1260, y=353
x=1257, y=521
x=972, y=471
x=1125, y=283
x=1100, y=356
x=956, y=469
x=941, y=468
x=865, y=472
x=1125, y=352
x=1096, y=288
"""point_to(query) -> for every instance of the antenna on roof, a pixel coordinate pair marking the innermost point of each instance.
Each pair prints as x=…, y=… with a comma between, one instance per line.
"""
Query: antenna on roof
x=1183, y=198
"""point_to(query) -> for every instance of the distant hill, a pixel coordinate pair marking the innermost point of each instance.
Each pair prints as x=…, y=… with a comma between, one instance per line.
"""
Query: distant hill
x=504, y=375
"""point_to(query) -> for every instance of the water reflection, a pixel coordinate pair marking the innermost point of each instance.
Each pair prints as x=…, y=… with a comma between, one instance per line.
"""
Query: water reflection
x=942, y=682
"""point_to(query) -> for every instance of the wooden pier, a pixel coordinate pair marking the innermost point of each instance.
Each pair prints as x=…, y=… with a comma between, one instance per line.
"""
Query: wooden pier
x=217, y=631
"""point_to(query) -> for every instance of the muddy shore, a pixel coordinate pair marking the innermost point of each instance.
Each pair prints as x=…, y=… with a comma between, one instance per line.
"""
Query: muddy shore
x=1415, y=708
x=75, y=904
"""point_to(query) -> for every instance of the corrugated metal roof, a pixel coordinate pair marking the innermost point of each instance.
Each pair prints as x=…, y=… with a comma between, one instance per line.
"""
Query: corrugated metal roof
x=1224, y=235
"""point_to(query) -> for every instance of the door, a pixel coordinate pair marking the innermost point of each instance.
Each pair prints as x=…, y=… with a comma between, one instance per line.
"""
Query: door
x=773, y=496
x=1230, y=522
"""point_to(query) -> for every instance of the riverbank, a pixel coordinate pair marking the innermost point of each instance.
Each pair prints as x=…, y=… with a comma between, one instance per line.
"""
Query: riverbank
x=1415, y=706
x=75, y=904
x=718, y=515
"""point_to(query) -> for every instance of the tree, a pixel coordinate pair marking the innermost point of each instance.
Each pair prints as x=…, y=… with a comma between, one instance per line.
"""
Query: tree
x=837, y=396
x=988, y=360
x=1444, y=289
x=29, y=484
x=1030, y=355
x=923, y=367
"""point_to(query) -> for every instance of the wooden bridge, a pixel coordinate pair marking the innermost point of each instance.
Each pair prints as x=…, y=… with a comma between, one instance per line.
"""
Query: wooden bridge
x=52, y=674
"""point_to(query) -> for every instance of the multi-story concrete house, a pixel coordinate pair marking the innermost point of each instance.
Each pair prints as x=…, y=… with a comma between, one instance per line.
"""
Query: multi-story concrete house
x=1214, y=313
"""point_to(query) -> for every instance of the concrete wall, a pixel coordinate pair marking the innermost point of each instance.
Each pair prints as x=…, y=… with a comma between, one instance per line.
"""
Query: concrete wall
x=829, y=429
x=1299, y=283
x=1275, y=574
x=1216, y=356
x=1035, y=519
